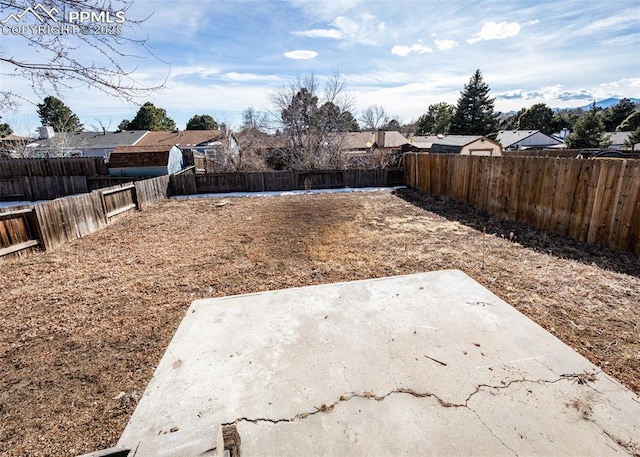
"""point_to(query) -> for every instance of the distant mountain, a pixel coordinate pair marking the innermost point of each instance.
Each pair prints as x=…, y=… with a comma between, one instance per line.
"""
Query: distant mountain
x=609, y=102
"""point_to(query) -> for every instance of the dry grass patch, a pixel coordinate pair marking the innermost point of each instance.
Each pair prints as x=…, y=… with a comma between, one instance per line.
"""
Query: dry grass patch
x=85, y=326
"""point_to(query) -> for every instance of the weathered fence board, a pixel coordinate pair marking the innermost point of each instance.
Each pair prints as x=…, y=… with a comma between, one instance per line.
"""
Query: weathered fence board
x=41, y=187
x=320, y=179
x=16, y=237
x=151, y=191
x=12, y=189
x=597, y=201
x=628, y=209
x=187, y=184
x=220, y=182
x=82, y=166
x=280, y=180
x=53, y=223
x=100, y=182
x=183, y=184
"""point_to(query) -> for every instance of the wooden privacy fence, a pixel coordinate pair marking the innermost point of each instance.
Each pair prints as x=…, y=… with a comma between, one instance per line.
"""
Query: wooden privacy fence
x=84, y=166
x=30, y=188
x=50, y=224
x=189, y=183
x=597, y=201
x=16, y=233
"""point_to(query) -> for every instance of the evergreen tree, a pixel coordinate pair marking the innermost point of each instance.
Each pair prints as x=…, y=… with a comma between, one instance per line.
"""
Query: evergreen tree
x=437, y=119
x=538, y=117
x=149, y=117
x=348, y=123
x=589, y=131
x=567, y=118
x=124, y=125
x=631, y=123
x=202, y=122
x=300, y=115
x=5, y=129
x=392, y=125
x=474, y=113
x=54, y=113
x=615, y=115
x=634, y=138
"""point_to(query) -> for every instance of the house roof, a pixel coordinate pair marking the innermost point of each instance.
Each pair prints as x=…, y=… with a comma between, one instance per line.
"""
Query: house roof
x=511, y=137
x=425, y=142
x=618, y=138
x=365, y=140
x=455, y=143
x=13, y=137
x=422, y=142
x=456, y=140
x=140, y=156
x=182, y=138
x=97, y=140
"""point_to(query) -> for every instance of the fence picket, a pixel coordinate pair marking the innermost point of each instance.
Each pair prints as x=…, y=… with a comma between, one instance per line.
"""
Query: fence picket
x=56, y=222
x=597, y=201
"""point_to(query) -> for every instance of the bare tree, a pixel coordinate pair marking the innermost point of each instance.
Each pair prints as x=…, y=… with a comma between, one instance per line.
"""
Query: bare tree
x=20, y=148
x=374, y=117
x=233, y=154
x=80, y=57
x=65, y=144
x=101, y=127
x=253, y=119
x=310, y=121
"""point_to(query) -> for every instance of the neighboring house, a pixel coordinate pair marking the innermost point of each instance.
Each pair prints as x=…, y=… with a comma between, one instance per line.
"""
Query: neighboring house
x=13, y=145
x=460, y=144
x=381, y=148
x=380, y=140
x=145, y=160
x=618, y=140
x=422, y=143
x=219, y=146
x=528, y=139
x=82, y=144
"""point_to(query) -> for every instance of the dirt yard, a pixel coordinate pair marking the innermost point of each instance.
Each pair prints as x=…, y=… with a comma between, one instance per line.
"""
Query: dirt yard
x=84, y=327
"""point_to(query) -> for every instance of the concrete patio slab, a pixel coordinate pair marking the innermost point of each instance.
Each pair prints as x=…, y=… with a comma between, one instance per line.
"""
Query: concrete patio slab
x=425, y=364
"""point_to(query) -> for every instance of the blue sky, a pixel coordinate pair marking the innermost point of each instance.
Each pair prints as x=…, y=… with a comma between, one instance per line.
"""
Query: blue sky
x=224, y=56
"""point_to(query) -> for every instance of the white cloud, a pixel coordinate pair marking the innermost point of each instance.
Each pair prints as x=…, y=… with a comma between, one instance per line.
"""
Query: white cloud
x=532, y=23
x=515, y=94
x=196, y=70
x=496, y=31
x=404, y=51
x=445, y=45
x=320, y=11
x=364, y=29
x=301, y=54
x=319, y=33
x=618, y=22
x=249, y=77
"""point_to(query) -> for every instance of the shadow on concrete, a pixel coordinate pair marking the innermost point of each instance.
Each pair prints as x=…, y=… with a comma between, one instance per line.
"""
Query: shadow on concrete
x=527, y=236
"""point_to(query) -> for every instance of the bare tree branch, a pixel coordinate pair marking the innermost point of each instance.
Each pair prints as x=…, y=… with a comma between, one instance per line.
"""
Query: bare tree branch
x=81, y=57
x=310, y=121
x=374, y=117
